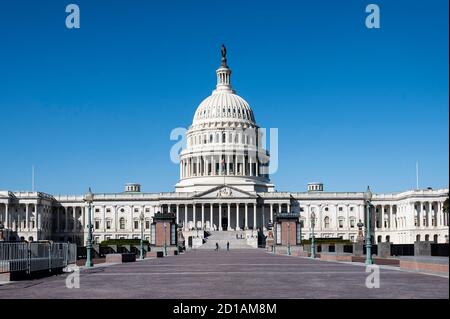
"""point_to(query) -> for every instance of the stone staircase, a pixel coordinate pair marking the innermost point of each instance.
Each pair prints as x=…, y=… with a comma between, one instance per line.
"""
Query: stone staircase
x=222, y=238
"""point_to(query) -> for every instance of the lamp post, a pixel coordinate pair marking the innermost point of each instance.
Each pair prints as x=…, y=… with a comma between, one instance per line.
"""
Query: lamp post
x=289, y=238
x=165, y=239
x=141, y=217
x=89, y=198
x=313, y=243
x=368, y=198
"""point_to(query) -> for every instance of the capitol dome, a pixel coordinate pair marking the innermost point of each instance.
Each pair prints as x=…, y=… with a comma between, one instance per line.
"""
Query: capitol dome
x=224, y=104
x=224, y=143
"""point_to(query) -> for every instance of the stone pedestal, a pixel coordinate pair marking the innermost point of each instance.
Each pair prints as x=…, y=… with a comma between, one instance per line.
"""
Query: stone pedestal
x=422, y=248
x=197, y=242
x=358, y=249
x=285, y=229
x=384, y=250
x=339, y=248
x=165, y=232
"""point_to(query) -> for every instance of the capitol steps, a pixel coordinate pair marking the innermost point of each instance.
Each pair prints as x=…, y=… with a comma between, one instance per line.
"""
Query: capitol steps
x=224, y=237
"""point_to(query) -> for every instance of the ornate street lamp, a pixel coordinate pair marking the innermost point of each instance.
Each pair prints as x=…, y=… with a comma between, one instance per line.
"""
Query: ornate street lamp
x=165, y=239
x=313, y=243
x=141, y=217
x=368, y=198
x=289, y=239
x=89, y=198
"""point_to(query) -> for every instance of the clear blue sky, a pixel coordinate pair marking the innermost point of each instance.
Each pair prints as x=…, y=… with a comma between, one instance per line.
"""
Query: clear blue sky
x=95, y=106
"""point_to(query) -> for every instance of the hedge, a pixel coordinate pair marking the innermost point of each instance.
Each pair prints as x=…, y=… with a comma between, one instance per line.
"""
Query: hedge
x=123, y=242
x=327, y=241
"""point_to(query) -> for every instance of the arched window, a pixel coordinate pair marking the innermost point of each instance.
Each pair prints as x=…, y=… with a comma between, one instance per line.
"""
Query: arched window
x=341, y=223
x=427, y=237
x=326, y=222
x=418, y=238
x=388, y=239
x=379, y=239
x=122, y=223
x=436, y=239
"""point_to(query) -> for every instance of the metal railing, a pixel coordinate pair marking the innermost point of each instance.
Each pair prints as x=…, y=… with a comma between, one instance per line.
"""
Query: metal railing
x=31, y=257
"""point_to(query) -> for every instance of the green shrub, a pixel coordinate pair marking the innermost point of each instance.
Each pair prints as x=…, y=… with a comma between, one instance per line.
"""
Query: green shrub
x=123, y=242
x=327, y=241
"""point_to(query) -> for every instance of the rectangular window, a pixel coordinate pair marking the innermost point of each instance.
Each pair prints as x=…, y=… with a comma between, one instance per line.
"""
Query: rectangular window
x=153, y=235
x=340, y=209
x=97, y=224
x=147, y=224
x=136, y=210
x=172, y=235
x=299, y=234
x=108, y=224
x=97, y=210
x=341, y=223
x=278, y=233
x=147, y=210
x=136, y=224
x=108, y=210
x=352, y=223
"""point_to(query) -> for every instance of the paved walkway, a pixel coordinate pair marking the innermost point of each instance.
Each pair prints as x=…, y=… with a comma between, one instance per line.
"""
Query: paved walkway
x=231, y=275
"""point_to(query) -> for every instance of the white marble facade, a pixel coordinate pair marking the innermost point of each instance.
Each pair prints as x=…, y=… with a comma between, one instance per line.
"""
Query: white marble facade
x=224, y=185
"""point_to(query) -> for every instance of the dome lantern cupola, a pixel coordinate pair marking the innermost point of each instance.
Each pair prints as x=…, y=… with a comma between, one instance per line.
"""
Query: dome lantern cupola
x=224, y=75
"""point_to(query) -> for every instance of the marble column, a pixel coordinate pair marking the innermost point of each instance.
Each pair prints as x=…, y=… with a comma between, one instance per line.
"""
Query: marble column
x=116, y=219
x=220, y=217
x=238, y=226
x=74, y=214
x=271, y=213
x=229, y=217
x=430, y=214
x=263, y=223
x=194, y=215
x=254, y=217
x=211, y=216
x=178, y=214
x=203, y=216
x=27, y=217
x=246, y=216
x=66, y=211
x=58, y=213
x=186, y=224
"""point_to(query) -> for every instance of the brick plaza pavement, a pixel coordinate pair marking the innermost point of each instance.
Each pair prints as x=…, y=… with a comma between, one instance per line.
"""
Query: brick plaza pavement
x=249, y=274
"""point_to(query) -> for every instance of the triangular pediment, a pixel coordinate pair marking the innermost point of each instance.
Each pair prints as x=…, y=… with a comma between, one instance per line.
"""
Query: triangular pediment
x=224, y=191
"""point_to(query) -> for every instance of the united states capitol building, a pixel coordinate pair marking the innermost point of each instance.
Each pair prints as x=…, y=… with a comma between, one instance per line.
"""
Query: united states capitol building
x=225, y=186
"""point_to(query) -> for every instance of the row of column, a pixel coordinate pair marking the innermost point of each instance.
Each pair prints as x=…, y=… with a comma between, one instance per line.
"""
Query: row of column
x=31, y=224
x=410, y=215
x=228, y=165
x=425, y=216
x=224, y=209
